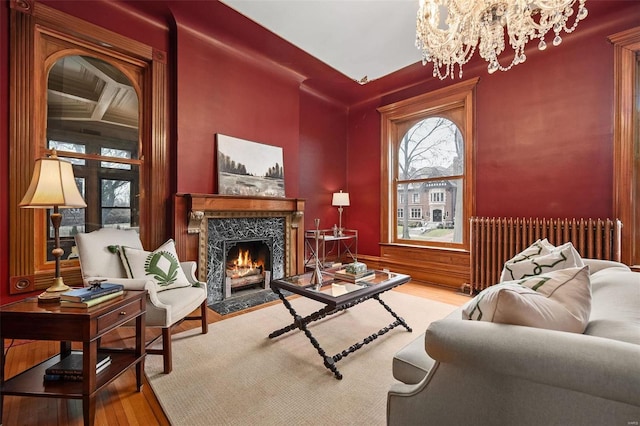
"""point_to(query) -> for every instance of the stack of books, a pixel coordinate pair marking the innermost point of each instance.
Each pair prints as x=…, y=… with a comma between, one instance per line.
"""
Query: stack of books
x=343, y=275
x=70, y=367
x=90, y=296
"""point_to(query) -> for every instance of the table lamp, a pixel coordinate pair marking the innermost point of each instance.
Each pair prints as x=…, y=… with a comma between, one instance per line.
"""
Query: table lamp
x=53, y=185
x=340, y=199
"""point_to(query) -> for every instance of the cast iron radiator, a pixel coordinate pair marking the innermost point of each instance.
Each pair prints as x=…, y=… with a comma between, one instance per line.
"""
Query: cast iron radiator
x=496, y=240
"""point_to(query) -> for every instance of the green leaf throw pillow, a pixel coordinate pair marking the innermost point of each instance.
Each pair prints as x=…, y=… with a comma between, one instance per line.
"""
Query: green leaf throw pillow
x=161, y=266
x=557, y=300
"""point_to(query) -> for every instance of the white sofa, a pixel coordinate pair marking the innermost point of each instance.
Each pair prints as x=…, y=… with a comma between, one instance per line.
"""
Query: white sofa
x=483, y=373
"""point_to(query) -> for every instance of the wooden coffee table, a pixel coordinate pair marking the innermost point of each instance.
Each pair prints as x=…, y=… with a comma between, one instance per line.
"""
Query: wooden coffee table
x=337, y=296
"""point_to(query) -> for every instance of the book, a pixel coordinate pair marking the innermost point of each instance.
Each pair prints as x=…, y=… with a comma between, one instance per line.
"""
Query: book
x=343, y=275
x=62, y=377
x=103, y=366
x=88, y=293
x=91, y=302
x=71, y=365
x=73, y=377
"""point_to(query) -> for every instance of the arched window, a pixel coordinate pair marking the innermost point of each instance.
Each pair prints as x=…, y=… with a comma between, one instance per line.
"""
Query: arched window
x=428, y=143
x=430, y=160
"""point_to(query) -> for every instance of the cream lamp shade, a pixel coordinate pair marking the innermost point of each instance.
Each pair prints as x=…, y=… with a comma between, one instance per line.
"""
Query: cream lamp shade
x=340, y=199
x=52, y=185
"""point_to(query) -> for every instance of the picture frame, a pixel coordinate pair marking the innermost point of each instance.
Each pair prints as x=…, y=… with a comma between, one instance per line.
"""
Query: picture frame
x=248, y=168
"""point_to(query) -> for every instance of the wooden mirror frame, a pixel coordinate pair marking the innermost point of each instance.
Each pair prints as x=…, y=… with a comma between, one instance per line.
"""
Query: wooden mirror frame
x=626, y=142
x=30, y=22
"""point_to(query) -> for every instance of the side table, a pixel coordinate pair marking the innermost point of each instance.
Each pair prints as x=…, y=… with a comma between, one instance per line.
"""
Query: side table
x=332, y=245
x=28, y=319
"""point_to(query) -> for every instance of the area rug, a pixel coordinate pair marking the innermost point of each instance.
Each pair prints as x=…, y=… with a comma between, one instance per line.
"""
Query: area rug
x=236, y=375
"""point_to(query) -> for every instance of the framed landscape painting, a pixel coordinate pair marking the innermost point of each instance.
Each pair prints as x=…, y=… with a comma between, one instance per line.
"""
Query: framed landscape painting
x=249, y=168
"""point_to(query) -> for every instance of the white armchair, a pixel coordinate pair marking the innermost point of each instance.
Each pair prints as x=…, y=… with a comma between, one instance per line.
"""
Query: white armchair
x=164, y=308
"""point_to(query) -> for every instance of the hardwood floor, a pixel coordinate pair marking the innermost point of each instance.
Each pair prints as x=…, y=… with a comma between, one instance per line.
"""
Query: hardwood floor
x=119, y=403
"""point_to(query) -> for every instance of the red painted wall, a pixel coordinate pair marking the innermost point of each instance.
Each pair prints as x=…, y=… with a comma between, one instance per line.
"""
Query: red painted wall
x=118, y=17
x=323, y=158
x=545, y=148
x=363, y=175
x=544, y=131
x=223, y=91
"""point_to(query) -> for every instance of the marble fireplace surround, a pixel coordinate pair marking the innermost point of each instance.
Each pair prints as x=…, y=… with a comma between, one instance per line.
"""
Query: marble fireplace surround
x=225, y=217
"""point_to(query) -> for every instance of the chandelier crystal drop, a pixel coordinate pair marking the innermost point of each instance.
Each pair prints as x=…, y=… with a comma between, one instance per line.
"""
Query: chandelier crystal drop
x=450, y=31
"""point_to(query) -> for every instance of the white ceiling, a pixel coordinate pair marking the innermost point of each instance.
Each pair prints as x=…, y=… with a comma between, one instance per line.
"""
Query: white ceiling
x=363, y=39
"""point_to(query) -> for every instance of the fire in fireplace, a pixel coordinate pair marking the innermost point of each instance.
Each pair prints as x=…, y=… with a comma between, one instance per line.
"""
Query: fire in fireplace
x=247, y=265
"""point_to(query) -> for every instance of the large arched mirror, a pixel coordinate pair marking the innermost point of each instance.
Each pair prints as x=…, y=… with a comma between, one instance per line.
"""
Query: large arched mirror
x=97, y=99
x=93, y=122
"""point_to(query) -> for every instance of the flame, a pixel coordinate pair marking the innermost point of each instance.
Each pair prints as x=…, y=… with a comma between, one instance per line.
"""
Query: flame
x=243, y=265
x=244, y=258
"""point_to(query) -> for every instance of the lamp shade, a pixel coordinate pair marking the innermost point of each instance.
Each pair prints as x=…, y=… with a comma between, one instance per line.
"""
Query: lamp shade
x=340, y=199
x=52, y=185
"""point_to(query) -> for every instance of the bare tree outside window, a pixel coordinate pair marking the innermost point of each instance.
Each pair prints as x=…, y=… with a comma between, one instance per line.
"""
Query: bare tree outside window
x=118, y=153
x=431, y=162
x=116, y=203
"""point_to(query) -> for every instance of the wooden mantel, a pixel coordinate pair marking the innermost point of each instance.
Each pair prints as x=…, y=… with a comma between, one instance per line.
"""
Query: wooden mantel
x=201, y=207
x=200, y=203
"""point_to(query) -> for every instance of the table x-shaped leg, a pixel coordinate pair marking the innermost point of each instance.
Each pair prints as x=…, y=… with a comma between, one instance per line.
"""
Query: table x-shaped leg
x=301, y=323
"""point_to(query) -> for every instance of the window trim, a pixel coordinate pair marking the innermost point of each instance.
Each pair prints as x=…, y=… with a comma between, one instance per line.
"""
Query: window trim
x=396, y=119
x=626, y=143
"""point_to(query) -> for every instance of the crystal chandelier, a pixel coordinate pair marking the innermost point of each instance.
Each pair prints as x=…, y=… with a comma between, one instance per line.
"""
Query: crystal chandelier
x=449, y=31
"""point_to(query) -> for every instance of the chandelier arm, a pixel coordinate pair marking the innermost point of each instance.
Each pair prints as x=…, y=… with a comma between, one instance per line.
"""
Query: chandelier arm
x=449, y=32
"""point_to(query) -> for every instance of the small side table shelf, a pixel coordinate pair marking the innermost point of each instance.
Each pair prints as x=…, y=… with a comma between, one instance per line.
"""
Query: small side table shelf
x=330, y=246
x=28, y=319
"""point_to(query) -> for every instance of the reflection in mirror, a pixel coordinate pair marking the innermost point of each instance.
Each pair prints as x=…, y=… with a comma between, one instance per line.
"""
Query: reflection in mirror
x=92, y=122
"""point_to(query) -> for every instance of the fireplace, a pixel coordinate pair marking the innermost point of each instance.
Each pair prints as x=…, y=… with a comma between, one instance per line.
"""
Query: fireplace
x=247, y=265
x=266, y=227
x=225, y=235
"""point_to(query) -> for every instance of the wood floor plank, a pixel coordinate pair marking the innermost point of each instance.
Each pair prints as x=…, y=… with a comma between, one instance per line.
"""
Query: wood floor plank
x=120, y=403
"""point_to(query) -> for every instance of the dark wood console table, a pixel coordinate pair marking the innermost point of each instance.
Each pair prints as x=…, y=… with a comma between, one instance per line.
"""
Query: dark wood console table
x=28, y=319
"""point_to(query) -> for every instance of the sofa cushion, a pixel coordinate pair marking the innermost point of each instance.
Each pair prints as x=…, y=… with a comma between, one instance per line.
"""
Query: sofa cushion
x=557, y=300
x=161, y=266
x=539, y=258
x=411, y=364
x=615, y=310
